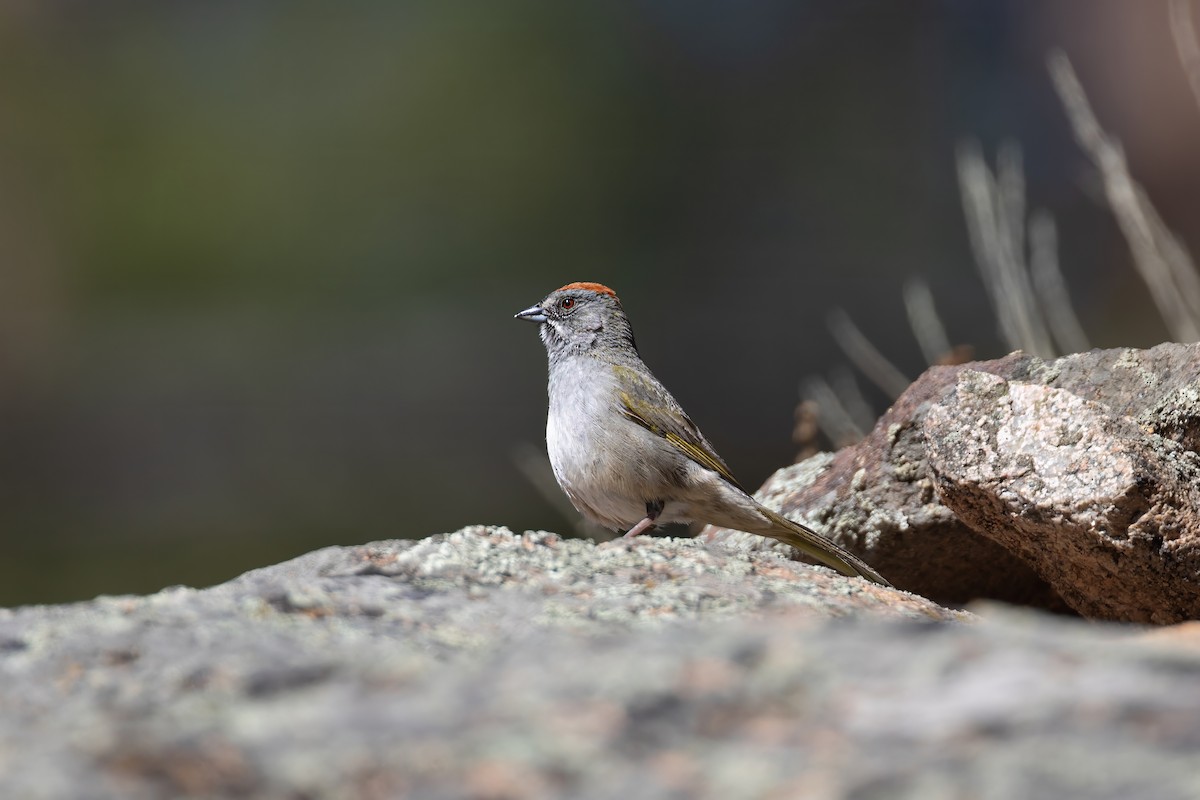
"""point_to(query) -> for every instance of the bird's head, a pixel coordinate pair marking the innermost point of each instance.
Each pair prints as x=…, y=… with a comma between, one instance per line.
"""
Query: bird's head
x=580, y=317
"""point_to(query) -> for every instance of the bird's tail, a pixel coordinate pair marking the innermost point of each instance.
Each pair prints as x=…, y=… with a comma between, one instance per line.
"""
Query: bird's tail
x=814, y=544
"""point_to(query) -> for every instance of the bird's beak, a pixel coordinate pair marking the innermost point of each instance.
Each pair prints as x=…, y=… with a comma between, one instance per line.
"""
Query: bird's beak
x=533, y=314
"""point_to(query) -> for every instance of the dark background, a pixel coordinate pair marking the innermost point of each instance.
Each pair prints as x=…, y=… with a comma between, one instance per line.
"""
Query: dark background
x=258, y=263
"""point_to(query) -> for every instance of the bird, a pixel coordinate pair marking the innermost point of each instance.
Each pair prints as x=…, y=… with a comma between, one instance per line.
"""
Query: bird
x=622, y=448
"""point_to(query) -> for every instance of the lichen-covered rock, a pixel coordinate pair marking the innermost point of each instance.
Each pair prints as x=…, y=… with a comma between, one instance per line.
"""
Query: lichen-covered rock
x=1106, y=512
x=878, y=499
x=485, y=664
x=959, y=529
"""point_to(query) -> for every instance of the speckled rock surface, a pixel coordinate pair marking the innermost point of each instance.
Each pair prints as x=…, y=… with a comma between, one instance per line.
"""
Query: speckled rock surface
x=877, y=498
x=487, y=665
x=1106, y=512
x=956, y=497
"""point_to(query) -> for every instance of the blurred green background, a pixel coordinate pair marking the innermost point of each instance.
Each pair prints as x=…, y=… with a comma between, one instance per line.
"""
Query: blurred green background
x=258, y=262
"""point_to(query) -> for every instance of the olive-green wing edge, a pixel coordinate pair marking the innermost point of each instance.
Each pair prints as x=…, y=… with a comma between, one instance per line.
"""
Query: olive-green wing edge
x=685, y=440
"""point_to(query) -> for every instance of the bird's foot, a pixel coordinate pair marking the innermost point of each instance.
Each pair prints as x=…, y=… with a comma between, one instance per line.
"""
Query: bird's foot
x=646, y=524
x=653, y=509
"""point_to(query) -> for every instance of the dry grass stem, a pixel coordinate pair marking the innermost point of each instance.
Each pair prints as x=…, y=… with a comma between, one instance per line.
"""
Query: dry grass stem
x=1051, y=288
x=924, y=320
x=846, y=387
x=994, y=207
x=865, y=356
x=1160, y=258
x=836, y=422
x=1183, y=31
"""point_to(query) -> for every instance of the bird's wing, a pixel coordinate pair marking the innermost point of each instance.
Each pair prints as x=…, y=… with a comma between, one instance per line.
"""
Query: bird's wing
x=646, y=402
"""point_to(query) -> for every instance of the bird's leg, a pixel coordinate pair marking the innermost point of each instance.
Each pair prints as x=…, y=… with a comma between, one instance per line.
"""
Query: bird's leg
x=653, y=509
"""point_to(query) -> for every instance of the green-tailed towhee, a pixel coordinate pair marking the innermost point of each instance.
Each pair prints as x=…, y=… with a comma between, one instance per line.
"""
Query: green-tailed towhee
x=622, y=448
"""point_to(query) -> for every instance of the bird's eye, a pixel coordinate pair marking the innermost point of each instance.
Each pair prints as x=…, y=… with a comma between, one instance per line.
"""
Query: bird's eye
x=567, y=303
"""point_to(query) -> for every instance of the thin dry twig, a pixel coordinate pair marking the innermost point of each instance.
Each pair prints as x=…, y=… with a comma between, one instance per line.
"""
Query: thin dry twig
x=1161, y=260
x=842, y=382
x=994, y=207
x=865, y=356
x=924, y=320
x=836, y=422
x=1051, y=287
x=1183, y=31
x=1009, y=188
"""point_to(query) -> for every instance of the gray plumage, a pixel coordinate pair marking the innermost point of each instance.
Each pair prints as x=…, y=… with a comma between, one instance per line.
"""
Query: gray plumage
x=622, y=448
